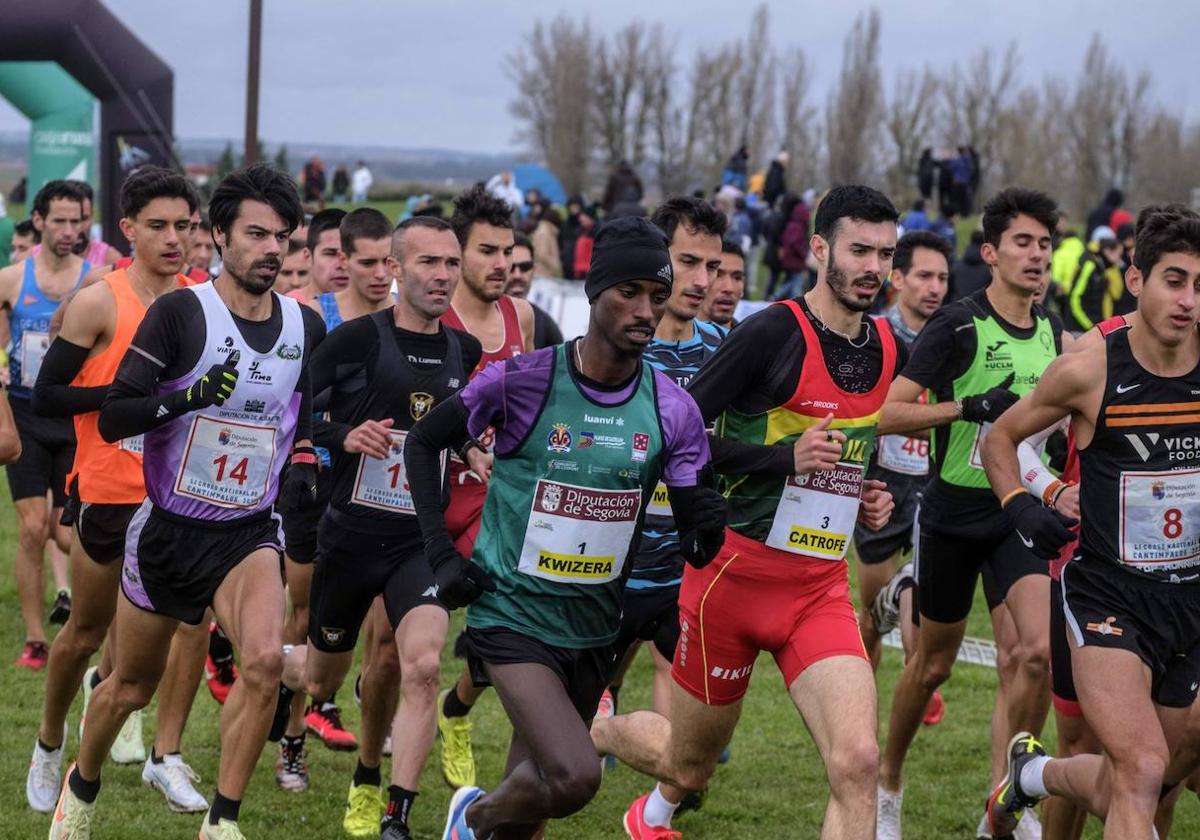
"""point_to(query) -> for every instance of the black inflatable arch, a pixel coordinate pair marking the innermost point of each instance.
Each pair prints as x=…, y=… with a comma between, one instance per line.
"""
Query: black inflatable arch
x=134, y=86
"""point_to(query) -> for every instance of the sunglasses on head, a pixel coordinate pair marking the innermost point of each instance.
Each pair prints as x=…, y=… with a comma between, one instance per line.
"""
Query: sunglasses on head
x=523, y=266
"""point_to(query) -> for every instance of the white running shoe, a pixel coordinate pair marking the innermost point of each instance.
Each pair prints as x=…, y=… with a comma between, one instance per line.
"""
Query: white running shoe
x=73, y=817
x=44, y=781
x=128, y=748
x=984, y=832
x=87, y=697
x=887, y=814
x=173, y=779
x=885, y=609
x=1029, y=828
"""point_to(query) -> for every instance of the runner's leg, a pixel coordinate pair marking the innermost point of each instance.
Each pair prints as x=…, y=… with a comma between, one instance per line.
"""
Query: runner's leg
x=381, y=677
x=1004, y=632
x=58, y=546
x=185, y=669
x=33, y=530
x=872, y=577
x=1028, y=602
x=299, y=587
x=419, y=639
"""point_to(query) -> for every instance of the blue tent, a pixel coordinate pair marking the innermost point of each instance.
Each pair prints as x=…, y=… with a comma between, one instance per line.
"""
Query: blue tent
x=532, y=176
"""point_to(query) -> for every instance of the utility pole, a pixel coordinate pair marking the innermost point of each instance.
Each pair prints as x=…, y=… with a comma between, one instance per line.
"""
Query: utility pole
x=252, y=65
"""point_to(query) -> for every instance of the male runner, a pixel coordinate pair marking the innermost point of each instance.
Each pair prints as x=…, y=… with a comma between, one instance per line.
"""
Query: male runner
x=107, y=488
x=24, y=238
x=1131, y=596
x=560, y=525
x=386, y=372
x=202, y=249
x=95, y=251
x=297, y=266
x=216, y=437
x=329, y=271
x=794, y=392
x=520, y=275
x=505, y=327
x=921, y=276
x=30, y=291
x=727, y=289
x=974, y=357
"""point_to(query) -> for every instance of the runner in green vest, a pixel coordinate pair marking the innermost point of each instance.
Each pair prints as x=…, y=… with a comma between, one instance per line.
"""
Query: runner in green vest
x=975, y=357
x=583, y=433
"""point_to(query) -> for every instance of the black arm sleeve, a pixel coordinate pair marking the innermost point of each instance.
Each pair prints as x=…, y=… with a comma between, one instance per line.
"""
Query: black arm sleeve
x=53, y=394
x=304, y=422
x=445, y=427
x=941, y=353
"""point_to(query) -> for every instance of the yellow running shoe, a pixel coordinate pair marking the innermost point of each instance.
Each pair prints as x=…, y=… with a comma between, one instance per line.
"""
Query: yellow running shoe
x=364, y=810
x=223, y=830
x=458, y=762
x=73, y=817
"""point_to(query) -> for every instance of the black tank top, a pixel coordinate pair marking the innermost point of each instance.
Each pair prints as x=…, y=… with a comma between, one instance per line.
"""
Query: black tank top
x=1140, y=475
x=366, y=487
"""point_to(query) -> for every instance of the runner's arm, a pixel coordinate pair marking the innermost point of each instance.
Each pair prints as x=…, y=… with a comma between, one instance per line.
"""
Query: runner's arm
x=92, y=277
x=444, y=427
x=10, y=441
x=53, y=393
x=698, y=508
x=340, y=356
x=902, y=414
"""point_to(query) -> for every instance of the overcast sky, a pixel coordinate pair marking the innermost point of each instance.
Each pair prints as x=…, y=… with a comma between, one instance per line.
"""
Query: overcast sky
x=413, y=74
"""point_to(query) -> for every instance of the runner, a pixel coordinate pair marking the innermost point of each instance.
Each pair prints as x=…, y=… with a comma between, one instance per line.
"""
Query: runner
x=728, y=288
x=974, y=357
x=546, y=602
x=779, y=453
x=24, y=238
x=297, y=266
x=505, y=327
x=1130, y=597
x=386, y=372
x=95, y=251
x=520, y=274
x=107, y=488
x=202, y=249
x=216, y=439
x=329, y=271
x=30, y=291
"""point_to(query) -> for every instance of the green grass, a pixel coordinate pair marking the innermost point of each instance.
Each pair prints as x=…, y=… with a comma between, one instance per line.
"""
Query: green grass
x=774, y=779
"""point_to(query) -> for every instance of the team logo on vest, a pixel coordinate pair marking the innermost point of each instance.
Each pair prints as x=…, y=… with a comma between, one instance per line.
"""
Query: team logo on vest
x=641, y=444
x=224, y=436
x=256, y=374
x=586, y=439
x=551, y=497
x=559, y=439
x=1158, y=490
x=291, y=352
x=419, y=404
x=255, y=406
x=996, y=356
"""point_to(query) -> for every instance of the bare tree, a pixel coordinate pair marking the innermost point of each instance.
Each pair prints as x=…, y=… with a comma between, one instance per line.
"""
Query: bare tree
x=853, y=109
x=621, y=102
x=799, y=121
x=1168, y=168
x=973, y=99
x=909, y=118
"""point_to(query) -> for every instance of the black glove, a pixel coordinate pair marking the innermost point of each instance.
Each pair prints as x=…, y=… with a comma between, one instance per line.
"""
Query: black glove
x=213, y=388
x=299, y=489
x=459, y=580
x=988, y=406
x=1043, y=530
x=700, y=545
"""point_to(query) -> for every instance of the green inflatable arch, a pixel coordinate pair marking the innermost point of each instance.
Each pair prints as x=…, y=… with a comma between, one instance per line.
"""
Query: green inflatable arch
x=60, y=112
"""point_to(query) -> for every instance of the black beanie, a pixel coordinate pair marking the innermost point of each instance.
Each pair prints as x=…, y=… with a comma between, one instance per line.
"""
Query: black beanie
x=627, y=248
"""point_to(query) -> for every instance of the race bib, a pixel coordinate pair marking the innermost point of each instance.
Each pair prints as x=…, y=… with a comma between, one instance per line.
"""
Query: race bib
x=976, y=460
x=660, y=502
x=906, y=455
x=33, y=351
x=1160, y=519
x=817, y=512
x=225, y=463
x=382, y=483
x=578, y=534
x=458, y=467
x=135, y=444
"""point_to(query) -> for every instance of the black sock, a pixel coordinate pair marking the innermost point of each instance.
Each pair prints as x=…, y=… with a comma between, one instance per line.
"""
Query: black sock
x=452, y=706
x=95, y=678
x=155, y=758
x=400, y=802
x=219, y=648
x=293, y=741
x=44, y=747
x=364, y=775
x=223, y=809
x=85, y=790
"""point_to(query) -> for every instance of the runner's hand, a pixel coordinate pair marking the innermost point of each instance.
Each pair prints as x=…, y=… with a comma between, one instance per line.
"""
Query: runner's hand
x=479, y=462
x=988, y=406
x=1067, y=502
x=299, y=488
x=213, y=388
x=875, y=504
x=370, y=438
x=459, y=580
x=1043, y=530
x=819, y=448
x=709, y=514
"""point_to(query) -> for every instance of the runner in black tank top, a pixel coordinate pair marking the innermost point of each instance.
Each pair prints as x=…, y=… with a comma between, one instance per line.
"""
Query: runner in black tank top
x=1135, y=586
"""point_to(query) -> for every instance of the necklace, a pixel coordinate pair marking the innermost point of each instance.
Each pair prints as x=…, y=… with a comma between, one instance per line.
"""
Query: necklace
x=821, y=323
x=579, y=358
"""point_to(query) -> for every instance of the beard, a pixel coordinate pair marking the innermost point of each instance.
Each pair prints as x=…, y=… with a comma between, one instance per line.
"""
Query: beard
x=841, y=286
x=251, y=281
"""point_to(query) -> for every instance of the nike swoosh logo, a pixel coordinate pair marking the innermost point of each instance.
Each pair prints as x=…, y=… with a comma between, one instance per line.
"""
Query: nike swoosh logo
x=1028, y=542
x=1124, y=389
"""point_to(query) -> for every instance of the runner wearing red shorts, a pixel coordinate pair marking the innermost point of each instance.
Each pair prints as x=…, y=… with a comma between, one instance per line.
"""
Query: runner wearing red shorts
x=795, y=392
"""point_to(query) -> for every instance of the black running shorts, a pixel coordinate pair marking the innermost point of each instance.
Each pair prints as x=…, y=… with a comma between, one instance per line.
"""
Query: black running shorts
x=649, y=615
x=874, y=547
x=101, y=530
x=47, y=454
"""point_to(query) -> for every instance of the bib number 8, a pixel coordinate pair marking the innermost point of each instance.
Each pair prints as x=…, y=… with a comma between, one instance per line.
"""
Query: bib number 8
x=1172, y=523
x=238, y=473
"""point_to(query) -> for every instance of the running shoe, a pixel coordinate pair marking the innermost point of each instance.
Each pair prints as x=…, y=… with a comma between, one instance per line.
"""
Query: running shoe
x=458, y=762
x=44, y=781
x=326, y=723
x=61, y=610
x=395, y=831
x=223, y=830
x=34, y=656
x=885, y=609
x=637, y=829
x=936, y=709
x=1030, y=827
x=984, y=831
x=128, y=748
x=220, y=677
x=73, y=816
x=87, y=697
x=283, y=713
x=887, y=814
x=173, y=778
x=364, y=810
x=291, y=771
x=1007, y=802
x=456, y=817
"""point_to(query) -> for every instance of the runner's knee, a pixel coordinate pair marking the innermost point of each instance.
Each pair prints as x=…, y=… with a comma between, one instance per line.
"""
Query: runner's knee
x=934, y=671
x=1034, y=658
x=83, y=638
x=131, y=695
x=853, y=765
x=693, y=772
x=573, y=787
x=262, y=667
x=32, y=532
x=420, y=674
x=1141, y=771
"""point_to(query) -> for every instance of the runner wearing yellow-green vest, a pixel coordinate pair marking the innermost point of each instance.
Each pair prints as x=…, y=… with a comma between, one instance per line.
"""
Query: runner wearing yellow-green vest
x=1098, y=283
x=975, y=357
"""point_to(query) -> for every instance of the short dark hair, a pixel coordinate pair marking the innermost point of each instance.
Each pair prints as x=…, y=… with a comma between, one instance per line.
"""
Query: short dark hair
x=696, y=214
x=53, y=191
x=25, y=228
x=521, y=240
x=150, y=182
x=478, y=205
x=728, y=246
x=1165, y=229
x=205, y=224
x=427, y=222
x=909, y=242
x=1006, y=205
x=256, y=182
x=85, y=189
x=363, y=223
x=328, y=219
x=852, y=201
x=295, y=246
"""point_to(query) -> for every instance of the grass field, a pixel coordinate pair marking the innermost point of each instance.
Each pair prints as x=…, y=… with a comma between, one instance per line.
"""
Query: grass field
x=773, y=781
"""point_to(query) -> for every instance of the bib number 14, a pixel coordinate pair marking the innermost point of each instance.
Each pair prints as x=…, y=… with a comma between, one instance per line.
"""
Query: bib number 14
x=238, y=473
